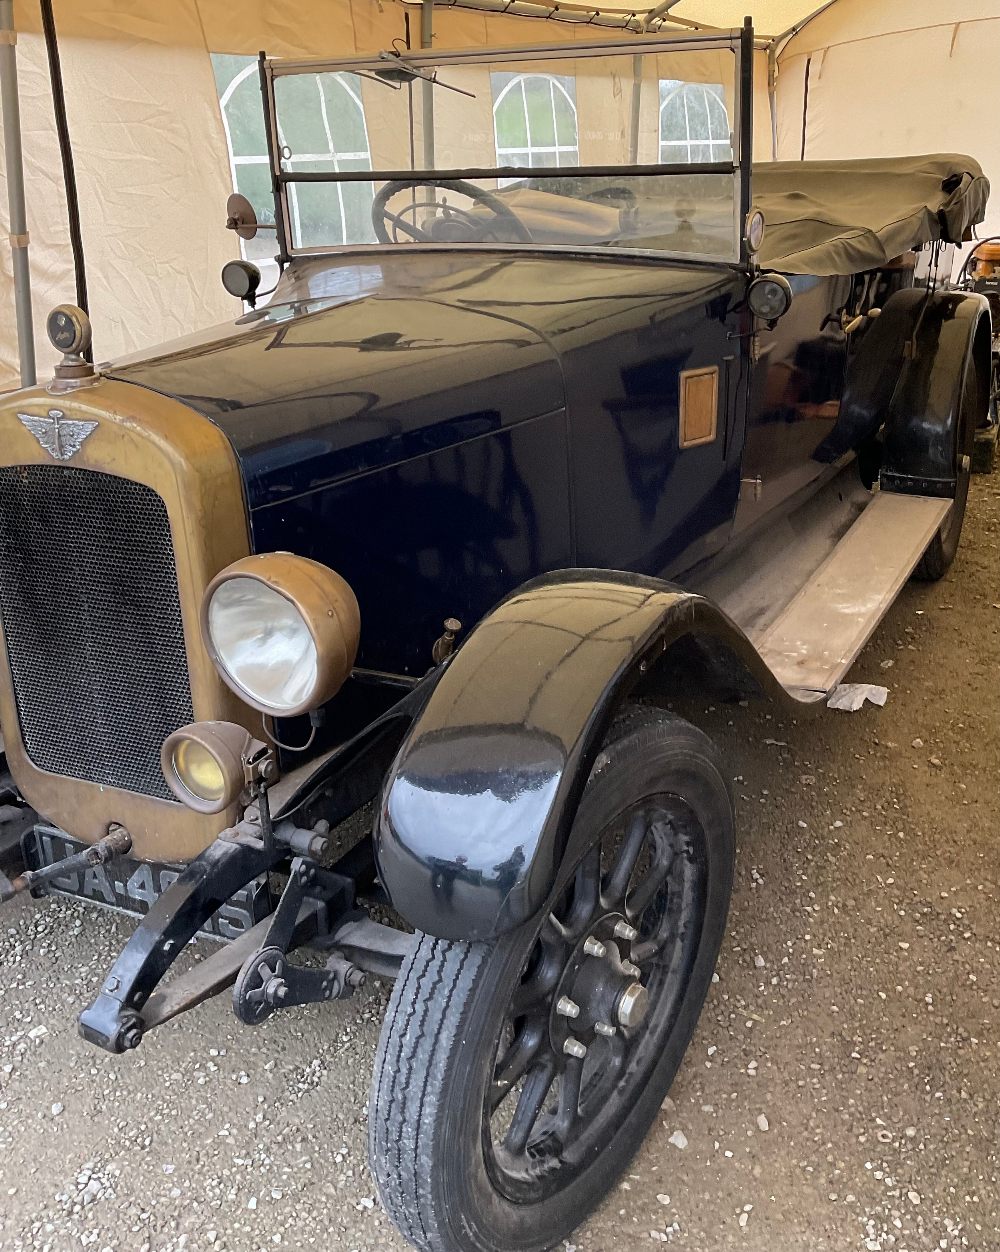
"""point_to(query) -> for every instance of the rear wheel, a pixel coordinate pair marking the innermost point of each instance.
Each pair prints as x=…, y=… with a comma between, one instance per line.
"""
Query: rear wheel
x=515, y=1080
x=943, y=548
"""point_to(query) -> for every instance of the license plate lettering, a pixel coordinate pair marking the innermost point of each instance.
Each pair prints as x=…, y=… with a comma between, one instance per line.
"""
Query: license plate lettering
x=233, y=919
x=167, y=879
x=96, y=885
x=130, y=886
x=140, y=886
x=50, y=854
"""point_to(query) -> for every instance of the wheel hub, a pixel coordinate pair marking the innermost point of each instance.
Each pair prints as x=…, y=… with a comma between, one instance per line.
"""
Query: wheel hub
x=600, y=992
x=633, y=1005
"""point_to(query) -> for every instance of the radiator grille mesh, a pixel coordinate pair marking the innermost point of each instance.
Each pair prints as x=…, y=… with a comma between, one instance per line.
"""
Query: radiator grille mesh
x=91, y=614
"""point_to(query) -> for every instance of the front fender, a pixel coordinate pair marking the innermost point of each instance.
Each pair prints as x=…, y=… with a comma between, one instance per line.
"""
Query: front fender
x=477, y=808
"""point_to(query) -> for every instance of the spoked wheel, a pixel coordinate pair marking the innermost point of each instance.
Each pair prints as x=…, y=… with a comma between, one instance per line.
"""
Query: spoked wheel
x=515, y=1080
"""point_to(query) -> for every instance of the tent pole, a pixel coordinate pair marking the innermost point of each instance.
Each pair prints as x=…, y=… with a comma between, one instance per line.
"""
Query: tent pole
x=579, y=14
x=779, y=41
x=426, y=40
x=772, y=95
x=633, y=146
x=660, y=11
x=15, y=193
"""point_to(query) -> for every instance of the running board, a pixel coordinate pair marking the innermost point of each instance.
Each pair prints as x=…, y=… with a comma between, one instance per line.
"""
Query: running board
x=813, y=643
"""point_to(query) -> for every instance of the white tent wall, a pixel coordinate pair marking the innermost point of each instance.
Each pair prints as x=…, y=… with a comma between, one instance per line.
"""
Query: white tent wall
x=896, y=78
x=150, y=150
x=147, y=135
x=151, y=157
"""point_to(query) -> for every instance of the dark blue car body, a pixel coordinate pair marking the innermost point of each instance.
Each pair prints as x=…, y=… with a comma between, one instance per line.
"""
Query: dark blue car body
x=439, y=428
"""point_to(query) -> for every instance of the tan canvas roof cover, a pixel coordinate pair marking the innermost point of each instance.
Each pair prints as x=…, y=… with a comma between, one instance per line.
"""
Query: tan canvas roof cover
x=842, y=217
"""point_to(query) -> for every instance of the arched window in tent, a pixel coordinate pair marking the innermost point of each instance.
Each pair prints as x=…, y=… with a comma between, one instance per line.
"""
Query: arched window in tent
x=534, y=120
x=694, y=124
x=323, y=128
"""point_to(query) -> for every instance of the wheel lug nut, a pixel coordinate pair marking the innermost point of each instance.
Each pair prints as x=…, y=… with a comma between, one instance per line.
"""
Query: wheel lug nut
x=573, y=1047
x=594, y=947
x=626, y=932
x=633, y=971
x=604, y=1029
x=567, y=1007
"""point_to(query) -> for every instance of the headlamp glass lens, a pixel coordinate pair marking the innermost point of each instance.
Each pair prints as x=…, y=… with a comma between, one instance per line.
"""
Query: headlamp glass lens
x=198, y=771
x=264, y=644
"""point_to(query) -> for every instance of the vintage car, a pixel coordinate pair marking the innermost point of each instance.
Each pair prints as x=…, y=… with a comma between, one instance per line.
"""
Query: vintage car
x=441, y=529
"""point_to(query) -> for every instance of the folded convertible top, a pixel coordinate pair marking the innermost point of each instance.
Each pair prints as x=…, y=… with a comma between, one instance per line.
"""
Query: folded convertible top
x=840, y=217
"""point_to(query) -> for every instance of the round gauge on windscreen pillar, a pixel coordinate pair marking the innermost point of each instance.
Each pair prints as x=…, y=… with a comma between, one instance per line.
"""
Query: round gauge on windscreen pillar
x=69, y=329
x=754, y=231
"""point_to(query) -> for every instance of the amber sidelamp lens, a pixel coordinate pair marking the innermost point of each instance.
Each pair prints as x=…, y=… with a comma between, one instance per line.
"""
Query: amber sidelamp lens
x=198, y=771
x=204, y=764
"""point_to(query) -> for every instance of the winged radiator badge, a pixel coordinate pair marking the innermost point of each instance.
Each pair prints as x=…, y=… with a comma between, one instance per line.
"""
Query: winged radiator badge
x=60, y=436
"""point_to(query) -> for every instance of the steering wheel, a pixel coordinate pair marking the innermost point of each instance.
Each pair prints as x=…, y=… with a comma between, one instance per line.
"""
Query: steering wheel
x=448, y=224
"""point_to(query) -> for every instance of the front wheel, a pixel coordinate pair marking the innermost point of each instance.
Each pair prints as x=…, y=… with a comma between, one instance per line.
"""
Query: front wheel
x=515, y=1080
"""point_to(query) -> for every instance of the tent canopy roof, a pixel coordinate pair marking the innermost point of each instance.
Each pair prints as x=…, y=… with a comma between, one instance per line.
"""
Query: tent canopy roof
x=259, y=19
x=770, y=17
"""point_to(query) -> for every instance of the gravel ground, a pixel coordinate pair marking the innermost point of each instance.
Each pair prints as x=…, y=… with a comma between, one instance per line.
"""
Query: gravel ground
x=842, y=1091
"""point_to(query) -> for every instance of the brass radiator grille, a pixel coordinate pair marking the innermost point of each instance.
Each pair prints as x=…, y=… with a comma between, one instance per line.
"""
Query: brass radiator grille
x=92, y=618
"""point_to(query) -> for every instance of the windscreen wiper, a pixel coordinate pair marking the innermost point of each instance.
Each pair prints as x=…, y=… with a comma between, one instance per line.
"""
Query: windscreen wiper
x=395, y=73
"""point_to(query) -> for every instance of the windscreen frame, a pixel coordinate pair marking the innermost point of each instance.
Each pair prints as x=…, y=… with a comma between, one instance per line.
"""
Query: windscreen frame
x=741, y=42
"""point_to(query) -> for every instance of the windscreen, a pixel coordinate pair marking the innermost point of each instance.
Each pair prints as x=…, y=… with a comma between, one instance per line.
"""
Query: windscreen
x=598, y=149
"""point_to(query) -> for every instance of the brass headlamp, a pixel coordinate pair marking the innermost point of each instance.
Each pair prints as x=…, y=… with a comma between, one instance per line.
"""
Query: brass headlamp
x=282, y=631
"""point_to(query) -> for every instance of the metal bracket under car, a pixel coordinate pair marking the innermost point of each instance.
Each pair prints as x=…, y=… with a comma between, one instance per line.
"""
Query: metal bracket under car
x=131, y=1001
x=317, y=908
x=268, y=981
x=124, y=1009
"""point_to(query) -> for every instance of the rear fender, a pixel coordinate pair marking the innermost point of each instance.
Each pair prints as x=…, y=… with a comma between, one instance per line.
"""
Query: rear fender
x=872, y=369
x=951, y=335
x=476, y=813
x=889, y=375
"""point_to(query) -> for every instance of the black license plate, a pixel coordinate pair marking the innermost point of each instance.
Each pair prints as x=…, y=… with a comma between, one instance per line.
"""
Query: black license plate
x=130, y=886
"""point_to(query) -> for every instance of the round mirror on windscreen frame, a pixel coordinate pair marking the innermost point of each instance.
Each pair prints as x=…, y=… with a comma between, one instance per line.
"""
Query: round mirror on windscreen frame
x=754, y=231
x=240, y=216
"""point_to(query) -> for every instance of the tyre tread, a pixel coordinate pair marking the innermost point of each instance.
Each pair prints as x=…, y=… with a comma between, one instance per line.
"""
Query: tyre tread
x=409, y=1051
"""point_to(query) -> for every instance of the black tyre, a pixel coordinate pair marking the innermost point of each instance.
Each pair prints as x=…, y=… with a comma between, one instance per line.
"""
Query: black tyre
x=943, y=548
x=490, y=1129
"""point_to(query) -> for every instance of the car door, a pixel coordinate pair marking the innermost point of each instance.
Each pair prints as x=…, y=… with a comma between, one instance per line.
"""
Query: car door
x=796, y=383
x=652, y=395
